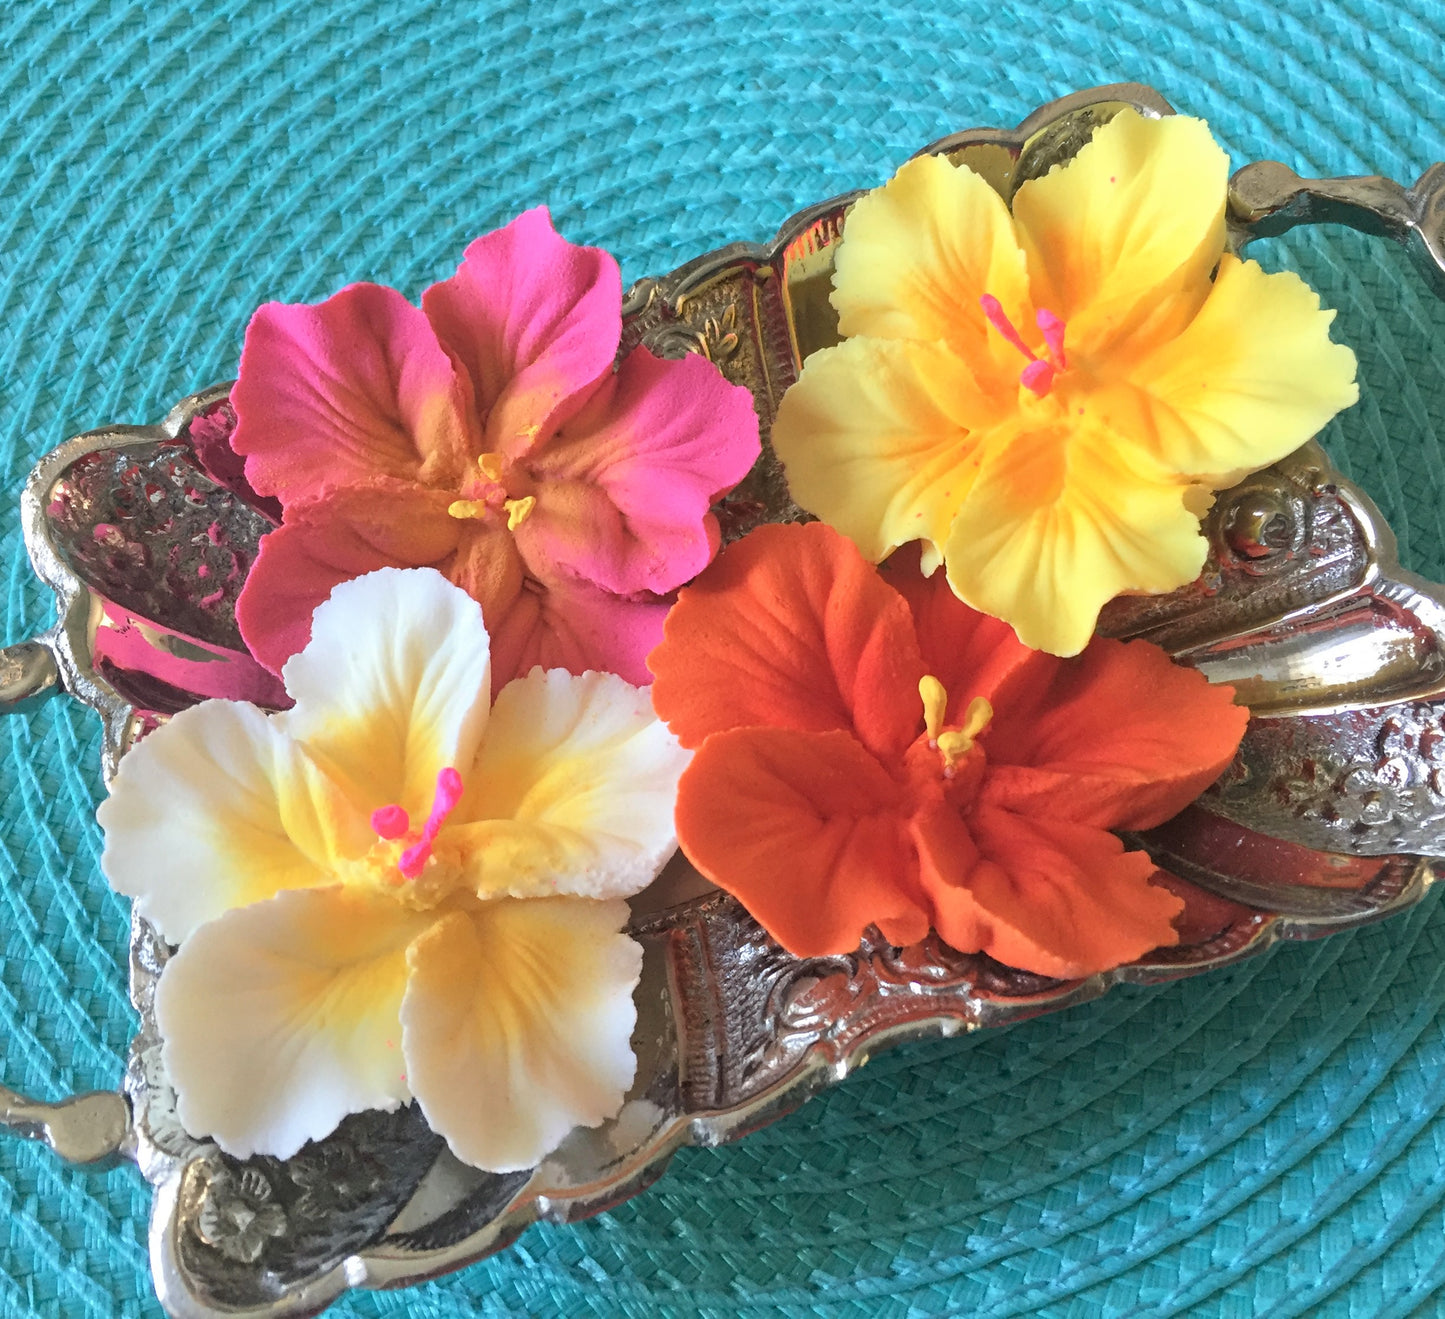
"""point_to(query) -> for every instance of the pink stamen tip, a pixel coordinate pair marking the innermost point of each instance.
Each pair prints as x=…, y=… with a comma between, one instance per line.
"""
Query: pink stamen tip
x=1053, y=331
x=1037, y=377
x=448, y=794
x=390, y=822
x=994, y=313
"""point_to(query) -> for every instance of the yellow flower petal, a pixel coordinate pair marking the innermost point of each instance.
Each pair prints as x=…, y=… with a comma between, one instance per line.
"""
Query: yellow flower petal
x=1121, y=239
x=572, y=792
x=919, y=252
x=517, y=1025
x=217, y=809
x=1061, y=521
x=280, y=1019
x=881, y=440
x=1250, y=379
x=393, y=686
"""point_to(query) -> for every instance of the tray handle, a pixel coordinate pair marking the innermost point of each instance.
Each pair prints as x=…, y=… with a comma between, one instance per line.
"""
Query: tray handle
x=91, y=1129
x=1267, y=199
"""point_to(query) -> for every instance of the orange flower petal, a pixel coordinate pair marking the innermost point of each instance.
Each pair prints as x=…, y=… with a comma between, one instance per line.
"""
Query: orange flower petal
x=1121, y=738
x=1065, y=899
x=970, y=653
x=807, y=831
x=790, y=628
x=947, y=856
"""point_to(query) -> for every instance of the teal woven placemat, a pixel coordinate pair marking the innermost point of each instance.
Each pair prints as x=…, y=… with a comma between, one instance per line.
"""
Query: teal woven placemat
x=1264, y=1141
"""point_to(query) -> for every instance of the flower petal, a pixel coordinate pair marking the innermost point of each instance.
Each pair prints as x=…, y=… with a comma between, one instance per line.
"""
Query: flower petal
x=623, y=493
x=971, y=654
x=1065, y=900
x=1058, y=524
x=563, y=623
x=281, y=1018
x=393, y=686
x=354, y=387
x=807, y=830
x=790, y=628
x=217, y=809
x=883, y=441
x=918, y=254
x=1121, y=239
x=535, y=320
x=1250, y=379
x=517, y=1025
x=1119, y=738
x=572, y=792
x=350, y=531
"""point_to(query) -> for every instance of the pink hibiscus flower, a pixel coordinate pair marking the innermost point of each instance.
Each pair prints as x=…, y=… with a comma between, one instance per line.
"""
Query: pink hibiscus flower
x=487, y=434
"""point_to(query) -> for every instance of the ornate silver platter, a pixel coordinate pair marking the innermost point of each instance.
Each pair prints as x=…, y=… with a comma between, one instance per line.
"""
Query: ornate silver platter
x=1332, y=815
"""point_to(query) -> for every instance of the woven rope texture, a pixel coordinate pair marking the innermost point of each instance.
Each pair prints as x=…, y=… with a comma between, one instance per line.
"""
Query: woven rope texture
x=1264, y=1141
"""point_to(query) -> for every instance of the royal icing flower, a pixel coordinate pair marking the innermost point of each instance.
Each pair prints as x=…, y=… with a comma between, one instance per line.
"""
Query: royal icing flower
x=397, y=888
x=1046, y=400
x=487, y=434
x=871, y=751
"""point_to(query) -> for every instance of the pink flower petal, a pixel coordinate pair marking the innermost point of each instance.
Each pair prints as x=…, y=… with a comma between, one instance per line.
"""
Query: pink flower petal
x=388, y=524
x=569, y=624
x=535, y=320
x=623, y=492
x=342, y=391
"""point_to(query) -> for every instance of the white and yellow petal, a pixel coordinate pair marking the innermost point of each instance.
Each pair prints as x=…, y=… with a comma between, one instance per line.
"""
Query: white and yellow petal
x=1122, y=238
x=572, y=791
x=1062, y=521
x=517, y=1025
x=280, y=1019
x=917, y=255
x=393, y=686
x=218, y=809
x=1251, y=378
x=882, y=440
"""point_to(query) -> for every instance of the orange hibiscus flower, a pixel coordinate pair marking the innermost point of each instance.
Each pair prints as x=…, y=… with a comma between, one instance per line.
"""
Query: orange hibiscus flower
x=871, y=751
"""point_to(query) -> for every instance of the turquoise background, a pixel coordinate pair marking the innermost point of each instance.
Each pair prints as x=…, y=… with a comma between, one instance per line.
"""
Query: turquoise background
x=1265, y=1140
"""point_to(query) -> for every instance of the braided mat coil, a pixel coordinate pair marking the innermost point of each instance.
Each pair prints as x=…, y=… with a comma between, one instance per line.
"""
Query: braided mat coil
x=1266, y=1140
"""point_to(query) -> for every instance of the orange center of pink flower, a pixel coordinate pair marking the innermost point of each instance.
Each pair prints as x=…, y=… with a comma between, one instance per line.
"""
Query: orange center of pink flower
x=953, y=744
x=392, y=822
x=1038, y=375
x=491, y=494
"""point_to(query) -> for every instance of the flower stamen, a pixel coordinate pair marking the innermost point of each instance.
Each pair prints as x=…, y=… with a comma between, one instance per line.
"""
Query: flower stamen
x=953, y=743
x=390, y=822
x=448, y=794
x=958, y=742
x=1052, y=328
x=518, y=510
x=1038, y=376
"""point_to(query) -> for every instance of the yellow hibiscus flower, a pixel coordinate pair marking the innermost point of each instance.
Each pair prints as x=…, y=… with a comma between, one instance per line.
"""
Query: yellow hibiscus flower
x=399, y=889
x=1048, y=399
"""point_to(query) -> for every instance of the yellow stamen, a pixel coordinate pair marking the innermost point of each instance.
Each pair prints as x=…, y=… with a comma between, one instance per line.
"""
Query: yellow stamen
x=518, y=509
x=959, y=742
x=935, y=702
x=467, y=508
x=490, y=465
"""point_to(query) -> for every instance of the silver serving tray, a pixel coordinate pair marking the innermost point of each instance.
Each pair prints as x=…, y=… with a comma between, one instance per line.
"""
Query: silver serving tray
x=1332, y=815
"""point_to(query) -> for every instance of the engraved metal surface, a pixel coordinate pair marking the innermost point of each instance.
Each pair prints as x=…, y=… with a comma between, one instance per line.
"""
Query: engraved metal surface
x=1329, y=817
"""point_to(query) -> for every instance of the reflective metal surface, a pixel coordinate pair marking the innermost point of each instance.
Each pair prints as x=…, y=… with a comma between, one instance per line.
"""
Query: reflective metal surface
x=1330, y=816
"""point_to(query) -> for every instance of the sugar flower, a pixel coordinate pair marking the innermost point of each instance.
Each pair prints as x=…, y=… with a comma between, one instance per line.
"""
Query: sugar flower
x=1046, y=400
x=397, y=888
x=871, y=751
x=487, y=434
